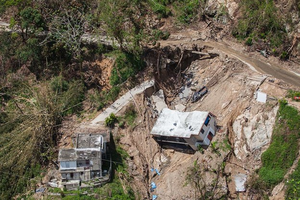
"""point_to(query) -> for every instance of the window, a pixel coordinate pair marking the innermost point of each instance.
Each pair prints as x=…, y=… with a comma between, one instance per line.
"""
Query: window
x=72, y=175
x=207, y=120
x=87, y=162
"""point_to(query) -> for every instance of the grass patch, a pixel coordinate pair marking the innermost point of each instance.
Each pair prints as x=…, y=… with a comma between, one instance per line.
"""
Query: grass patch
x=279, y=157
x=293, y=184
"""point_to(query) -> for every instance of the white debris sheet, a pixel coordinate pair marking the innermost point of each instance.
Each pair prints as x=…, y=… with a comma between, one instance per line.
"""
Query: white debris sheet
x=261, y=97
x=240, y=180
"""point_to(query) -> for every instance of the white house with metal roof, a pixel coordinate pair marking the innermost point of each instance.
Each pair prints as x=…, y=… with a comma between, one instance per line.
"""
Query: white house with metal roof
x=174, y=128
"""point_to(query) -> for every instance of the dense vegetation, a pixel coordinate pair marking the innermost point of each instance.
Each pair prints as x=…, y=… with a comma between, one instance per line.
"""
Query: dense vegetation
x=261, y=22
x=43, y=67
x=282, y=152
x=29, y=122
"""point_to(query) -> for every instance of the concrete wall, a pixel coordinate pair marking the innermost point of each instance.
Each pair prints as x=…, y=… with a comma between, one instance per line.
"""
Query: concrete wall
x=202, y=139
x=69, y=176
x=211, y=124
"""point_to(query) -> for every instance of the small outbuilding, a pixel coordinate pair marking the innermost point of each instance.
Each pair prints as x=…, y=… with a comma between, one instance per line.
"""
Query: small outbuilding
x=184, y=129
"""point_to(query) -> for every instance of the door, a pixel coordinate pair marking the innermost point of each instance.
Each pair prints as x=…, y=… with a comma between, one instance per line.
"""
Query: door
x=210, y=136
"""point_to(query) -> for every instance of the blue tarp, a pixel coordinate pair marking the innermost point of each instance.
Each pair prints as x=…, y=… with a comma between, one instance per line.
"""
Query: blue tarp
x=153, y=186
x=157, y=172
x=154, y=197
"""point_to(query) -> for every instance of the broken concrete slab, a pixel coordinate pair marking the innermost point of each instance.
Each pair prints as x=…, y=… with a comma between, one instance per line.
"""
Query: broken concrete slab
x=159, y=101
x=122, y=101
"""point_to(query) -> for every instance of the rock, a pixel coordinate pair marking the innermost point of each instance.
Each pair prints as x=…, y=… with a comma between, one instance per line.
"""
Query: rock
x=226, y=104
x=254, y=136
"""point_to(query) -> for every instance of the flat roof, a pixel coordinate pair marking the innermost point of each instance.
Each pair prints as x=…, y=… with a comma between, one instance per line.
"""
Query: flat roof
x=173, y=123
x=78, y=154
x=89, y=141
x=67, y=155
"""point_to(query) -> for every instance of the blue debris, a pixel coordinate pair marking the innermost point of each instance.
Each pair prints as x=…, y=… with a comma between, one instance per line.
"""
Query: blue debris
x=153, y=186
x=40, y=190
x=152, y=170
x=157, y=172
x=154, y=197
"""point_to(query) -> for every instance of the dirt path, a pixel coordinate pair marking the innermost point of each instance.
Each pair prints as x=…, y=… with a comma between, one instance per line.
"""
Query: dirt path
x=255, y=64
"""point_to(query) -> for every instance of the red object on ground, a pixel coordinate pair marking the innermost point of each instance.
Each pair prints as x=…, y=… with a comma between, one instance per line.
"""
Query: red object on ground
x=297, y=98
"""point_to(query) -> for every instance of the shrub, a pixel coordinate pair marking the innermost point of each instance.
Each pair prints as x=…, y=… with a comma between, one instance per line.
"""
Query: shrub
x=111, y=120
x=249, y=41
x=284, y=55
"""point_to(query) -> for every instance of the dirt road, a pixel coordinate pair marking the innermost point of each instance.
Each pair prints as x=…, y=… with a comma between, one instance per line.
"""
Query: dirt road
x=255, y=64
x=263, y=67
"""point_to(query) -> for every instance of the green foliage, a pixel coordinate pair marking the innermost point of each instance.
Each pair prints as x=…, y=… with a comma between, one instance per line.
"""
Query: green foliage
x=284, y=55
x=160, y=35
x=126, y=65
x=293, y=185
x=187, y=10
x=261, y=20
x=292, y=94
x=31, y=19
x=59, y=85
x=160, y=8
x=33, y=113
x=249, y=41
x=113, y=94
x=111, y=120
x=200, y=149
x=100, y=99
x=124, y=21
x=279, y=157
x=30, y=51
x=129, y=117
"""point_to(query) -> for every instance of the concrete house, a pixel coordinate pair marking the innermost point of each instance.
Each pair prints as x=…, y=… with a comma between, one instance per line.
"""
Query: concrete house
x=84, y=162
x=184, y=129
